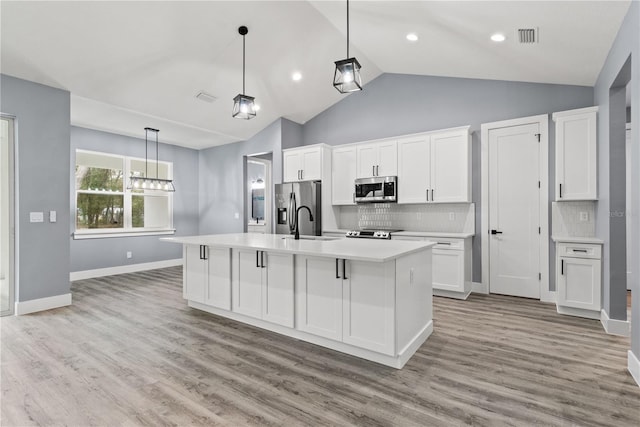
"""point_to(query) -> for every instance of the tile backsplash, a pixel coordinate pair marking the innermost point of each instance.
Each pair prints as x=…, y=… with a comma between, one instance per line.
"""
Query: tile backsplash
x=453, y=217
x=573, y=219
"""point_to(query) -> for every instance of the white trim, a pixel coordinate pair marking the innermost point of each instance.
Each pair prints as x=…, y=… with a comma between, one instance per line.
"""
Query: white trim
x=479, y=288
x=633, y=364
x=550, y=296
x=543, y=121
x=451, y=294
x=398, y=361
x=567, y=113
x=41, y=304
x=615, y=326
x=578, y=312
x=122, y=269
x=81, y=235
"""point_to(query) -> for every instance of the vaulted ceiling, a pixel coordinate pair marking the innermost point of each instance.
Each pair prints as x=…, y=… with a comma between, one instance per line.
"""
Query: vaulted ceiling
x=134, y=64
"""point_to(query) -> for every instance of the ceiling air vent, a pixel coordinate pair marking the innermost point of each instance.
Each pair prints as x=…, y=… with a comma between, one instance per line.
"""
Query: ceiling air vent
x=528, y=35
x=206, y=97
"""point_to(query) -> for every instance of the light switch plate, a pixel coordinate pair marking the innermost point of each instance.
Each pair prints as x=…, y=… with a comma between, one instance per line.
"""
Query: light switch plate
x=237, y=215
x=36, y=217
x=53, y=216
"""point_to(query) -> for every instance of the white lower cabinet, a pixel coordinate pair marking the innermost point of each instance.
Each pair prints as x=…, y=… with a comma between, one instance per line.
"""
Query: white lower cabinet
x=207, y=275
x=348, y=301
x=579, y=279
x=263, y=285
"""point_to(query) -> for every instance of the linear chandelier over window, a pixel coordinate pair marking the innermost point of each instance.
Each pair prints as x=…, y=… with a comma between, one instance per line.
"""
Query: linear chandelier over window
x=244, y=106
x=145, y=182
x=347, y=75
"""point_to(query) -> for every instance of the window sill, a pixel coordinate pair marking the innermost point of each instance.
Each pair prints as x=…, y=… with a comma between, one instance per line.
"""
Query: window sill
x=81, y=235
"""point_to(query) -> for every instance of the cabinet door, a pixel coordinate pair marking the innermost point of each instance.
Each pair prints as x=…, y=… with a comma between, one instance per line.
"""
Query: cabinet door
x=450, y=167
x=319, y=297
x=247, y=282
x=413, y=170
x=368, y=306
x=387, y=159
x=448, y=270
x=291, y=166
x=278, y=295
x=219, y=278
x=579, y=283
x=576, y=157
x=367, y=157
x=343, y=176
x=195, y=274
x=311, y=164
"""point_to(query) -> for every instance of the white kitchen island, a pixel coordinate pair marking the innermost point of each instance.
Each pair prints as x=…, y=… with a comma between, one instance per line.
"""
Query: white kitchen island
x=368, y=298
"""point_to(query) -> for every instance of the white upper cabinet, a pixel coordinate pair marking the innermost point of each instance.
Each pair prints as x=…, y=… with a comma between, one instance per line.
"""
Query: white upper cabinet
x=377, y=159
x=343, y=175
x=302, y=164
x=576, y=154
x=435, y=167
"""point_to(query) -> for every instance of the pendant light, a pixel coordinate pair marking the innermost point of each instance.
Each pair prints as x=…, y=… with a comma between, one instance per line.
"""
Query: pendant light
x=145, y=182
x=243, y=105
x=347, y=76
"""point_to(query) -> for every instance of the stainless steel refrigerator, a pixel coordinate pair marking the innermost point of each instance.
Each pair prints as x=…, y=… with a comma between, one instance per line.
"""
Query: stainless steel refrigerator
x=291, y=196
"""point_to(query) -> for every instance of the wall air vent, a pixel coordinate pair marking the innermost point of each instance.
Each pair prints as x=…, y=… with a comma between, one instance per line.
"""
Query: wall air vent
x=206, y=97
x=528, y=35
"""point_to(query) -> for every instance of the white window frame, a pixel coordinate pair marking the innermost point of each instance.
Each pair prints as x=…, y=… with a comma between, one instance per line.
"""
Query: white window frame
x=127, y=230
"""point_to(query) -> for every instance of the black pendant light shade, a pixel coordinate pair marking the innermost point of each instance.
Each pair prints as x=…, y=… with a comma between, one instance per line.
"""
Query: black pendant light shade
x=244, y=106
x=145, y=182
x=347, y=75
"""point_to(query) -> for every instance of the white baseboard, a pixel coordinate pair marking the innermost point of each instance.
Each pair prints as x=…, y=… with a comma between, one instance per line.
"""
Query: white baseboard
x=479, y=288
x=614, y=326
x=41, y=304
x=578, y=312
x=634, y=366
x=549, y=296
x=122, y=269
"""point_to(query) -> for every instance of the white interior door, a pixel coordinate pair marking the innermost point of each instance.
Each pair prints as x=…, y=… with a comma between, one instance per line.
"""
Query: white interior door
x=6, y=236
x=514, y=211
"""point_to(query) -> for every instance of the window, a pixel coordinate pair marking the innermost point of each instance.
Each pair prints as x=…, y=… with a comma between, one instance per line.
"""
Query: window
x=104, y=205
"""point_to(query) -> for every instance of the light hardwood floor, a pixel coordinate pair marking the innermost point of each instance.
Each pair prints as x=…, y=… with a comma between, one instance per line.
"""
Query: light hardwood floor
x=130, y=352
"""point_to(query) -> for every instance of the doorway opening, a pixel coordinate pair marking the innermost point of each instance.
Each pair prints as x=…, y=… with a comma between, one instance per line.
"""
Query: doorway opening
x=515, y=214
x=259, y=193
x=7, y=227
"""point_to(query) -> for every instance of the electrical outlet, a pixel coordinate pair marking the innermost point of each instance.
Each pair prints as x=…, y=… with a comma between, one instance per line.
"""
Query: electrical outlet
x=237, y=215
x=129, y=254
x=36, y=217
x=584, y=216
x=52, y=216
x=452, y=216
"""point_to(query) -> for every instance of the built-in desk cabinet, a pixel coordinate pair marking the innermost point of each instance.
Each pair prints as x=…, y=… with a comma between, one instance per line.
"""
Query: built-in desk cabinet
x=576, y=154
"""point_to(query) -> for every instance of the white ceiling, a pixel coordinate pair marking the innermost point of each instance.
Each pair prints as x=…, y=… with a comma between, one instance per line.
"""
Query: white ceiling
x=134, y=64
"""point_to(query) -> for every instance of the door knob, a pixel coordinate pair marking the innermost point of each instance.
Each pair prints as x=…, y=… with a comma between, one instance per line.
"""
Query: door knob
x=496, y=232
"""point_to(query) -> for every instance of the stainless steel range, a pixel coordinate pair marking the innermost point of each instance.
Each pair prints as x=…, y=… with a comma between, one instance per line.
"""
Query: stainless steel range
x=370, y=234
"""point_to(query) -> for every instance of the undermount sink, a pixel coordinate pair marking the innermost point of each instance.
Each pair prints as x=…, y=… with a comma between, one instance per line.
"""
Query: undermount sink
x=324, y=238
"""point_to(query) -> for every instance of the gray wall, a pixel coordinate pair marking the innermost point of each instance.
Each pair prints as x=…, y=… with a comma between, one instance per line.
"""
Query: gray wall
x=89, y=254
x=397, y=104
x=42, y=140
x=221, y=172
x=627, y=44
x=291, y=134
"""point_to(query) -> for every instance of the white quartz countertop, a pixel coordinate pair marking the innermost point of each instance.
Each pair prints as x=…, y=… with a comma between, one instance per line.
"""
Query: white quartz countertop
x=562, y=239
x=354, y=249
x=416, y=233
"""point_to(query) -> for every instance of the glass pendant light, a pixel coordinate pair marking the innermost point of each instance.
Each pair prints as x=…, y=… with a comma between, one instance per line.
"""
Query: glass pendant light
x=145, y=182
x=347, y=75
x=244, y=106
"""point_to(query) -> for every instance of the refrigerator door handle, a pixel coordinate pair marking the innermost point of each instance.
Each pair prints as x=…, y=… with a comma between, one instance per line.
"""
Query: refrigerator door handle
x=292, y=212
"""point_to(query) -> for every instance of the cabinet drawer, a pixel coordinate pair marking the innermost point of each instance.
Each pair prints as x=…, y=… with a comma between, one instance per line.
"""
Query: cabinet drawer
x=447, y=243
x=579, y=250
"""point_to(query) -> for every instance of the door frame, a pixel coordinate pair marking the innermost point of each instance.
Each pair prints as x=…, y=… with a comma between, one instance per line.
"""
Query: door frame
x=13, y=212
x=543, y=122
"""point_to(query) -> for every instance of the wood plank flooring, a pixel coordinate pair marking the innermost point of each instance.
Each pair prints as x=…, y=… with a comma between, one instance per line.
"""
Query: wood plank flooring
x=130, y=352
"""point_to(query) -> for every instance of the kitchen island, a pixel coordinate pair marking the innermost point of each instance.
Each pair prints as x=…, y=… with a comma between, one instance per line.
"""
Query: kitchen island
x=368, y=298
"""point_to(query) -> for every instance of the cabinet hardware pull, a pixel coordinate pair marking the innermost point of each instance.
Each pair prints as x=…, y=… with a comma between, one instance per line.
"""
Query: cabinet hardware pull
x=261, y=259
x=432, y=199
x=580, y=250
x=427, y=194
x=301, y=173
x=204, y=252
x=257, y=259
x=337, y=272
x=200, y=251
x=560, y=191
x=344, y=269
x=373, y=170
x=444, y=243
x=562, y=267
x=377, y=170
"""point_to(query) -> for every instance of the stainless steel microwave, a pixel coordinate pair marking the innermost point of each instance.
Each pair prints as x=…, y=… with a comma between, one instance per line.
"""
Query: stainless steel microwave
x=378, y=189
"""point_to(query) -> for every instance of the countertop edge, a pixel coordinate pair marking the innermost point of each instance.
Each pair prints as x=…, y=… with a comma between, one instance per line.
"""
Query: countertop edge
x=564, y=239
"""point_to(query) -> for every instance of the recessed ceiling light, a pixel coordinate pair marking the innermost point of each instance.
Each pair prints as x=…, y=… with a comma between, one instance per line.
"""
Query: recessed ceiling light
x=498, y=37
x=412, y=37
x=296, y=76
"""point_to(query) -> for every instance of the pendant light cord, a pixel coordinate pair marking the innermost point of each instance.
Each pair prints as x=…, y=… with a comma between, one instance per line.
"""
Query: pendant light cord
x=243, y=65
x=347, y=28
x=157, y=160
x=146, y=152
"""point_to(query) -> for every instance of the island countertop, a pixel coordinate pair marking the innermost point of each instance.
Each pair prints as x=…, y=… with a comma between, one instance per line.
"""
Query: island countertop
x=371, y=250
